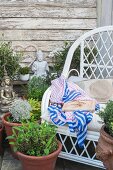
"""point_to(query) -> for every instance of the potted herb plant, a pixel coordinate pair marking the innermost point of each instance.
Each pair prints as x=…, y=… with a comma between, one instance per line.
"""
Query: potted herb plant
x=36, y=145
x=24, y=73
x=18, y=112
x=104, y=149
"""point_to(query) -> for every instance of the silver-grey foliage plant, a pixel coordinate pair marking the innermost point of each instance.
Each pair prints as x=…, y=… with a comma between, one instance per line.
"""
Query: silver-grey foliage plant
x=20, y=110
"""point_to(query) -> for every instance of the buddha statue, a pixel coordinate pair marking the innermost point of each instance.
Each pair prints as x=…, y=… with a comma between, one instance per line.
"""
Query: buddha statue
x=7, y=95
x=40, y=67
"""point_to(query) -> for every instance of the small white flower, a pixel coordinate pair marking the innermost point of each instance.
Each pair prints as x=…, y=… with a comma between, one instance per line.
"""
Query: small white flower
x=52, y=53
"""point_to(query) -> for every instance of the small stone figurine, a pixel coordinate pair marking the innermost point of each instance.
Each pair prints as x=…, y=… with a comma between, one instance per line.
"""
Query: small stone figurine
x=7, y=95
x=40, y=67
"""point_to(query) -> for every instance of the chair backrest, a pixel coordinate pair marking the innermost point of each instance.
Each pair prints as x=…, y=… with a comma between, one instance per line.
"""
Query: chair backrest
x=96, y=54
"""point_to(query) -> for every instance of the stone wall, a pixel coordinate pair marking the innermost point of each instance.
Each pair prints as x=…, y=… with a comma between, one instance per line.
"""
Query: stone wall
x=45, y=24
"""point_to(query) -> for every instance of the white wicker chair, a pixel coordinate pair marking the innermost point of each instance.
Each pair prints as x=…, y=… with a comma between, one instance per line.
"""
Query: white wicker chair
x=101, y=66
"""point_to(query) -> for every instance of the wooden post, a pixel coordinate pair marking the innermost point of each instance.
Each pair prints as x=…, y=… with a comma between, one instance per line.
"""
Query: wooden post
x=104, y=12
x=104, y=18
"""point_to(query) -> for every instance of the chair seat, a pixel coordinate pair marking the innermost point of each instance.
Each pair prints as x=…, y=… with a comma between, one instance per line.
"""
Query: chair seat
x=94, y=125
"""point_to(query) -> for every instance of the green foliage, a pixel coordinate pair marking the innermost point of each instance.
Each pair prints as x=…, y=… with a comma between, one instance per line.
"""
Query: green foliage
x=35, y=139
x=107, y=116
x=51, y=76
x=20, y=110
x=24, y=70
x=36, y=88
x=36, y=108
x=9, y=59
x=60, y=57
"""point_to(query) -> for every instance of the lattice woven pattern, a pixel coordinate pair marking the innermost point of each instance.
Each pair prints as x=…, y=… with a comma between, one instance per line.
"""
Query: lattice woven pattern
x=71, y=150
x=98, y=62
x=96, y=54
x=70, y=146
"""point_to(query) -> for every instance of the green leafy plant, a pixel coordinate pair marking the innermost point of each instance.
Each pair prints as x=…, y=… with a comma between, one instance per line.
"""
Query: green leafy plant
x=60, y=57
x=36, y=108
x=9, y=59
x=35, y=139
x=36, y=88
x=20, y=110
x=107, y=116
x=24, y=70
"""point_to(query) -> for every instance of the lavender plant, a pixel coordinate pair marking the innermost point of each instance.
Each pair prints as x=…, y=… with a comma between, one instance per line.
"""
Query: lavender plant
x=36, y=88
x=20, y=110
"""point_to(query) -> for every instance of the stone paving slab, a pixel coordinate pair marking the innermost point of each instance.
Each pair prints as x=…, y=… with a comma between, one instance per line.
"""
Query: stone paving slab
x=10, y=163
x=0, y=161
x=70, y=165
x=7, y=155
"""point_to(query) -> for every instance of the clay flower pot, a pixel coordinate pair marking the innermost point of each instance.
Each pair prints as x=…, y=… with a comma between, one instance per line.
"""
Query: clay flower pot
x=41, y=162
x=1, y=133
x=104, y=149
x=8, y=128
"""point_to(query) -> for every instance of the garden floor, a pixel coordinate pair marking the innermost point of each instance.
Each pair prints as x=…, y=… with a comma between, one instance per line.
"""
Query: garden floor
x=7, y=162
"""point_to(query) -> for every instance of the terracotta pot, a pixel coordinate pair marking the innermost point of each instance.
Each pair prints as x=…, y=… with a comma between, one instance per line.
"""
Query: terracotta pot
x=41, y=162
x=8, y=129
x=1, y=137
x=104, y=149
